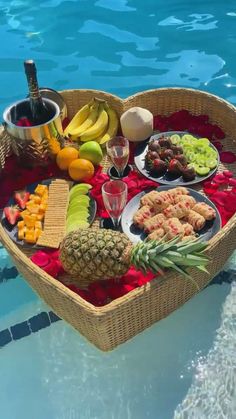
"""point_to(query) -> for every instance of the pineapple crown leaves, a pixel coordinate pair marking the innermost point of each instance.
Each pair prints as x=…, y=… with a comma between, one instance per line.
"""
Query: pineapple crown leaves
x=157, y=255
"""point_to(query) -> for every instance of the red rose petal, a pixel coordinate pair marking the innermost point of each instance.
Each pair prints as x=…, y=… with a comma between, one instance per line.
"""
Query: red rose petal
x=218, y=132
x=221, y=179
x=227, y=173
x=227, y=157
x=219, y=198
x=53, y=268
x=217, y=145
x=232, y=182
x=40, y=259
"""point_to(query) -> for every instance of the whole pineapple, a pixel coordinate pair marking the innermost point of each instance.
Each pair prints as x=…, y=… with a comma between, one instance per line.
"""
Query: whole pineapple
x=93, y=254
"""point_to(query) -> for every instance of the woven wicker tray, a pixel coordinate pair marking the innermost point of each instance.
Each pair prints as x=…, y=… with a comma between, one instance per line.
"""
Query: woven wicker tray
x=109, y=326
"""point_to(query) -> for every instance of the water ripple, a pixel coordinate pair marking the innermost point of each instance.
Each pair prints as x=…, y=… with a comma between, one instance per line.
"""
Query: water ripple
x=119, y=35
x=213, y=392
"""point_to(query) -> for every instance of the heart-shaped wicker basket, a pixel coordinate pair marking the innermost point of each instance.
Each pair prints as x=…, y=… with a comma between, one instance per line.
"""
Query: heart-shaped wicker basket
x=109, y=326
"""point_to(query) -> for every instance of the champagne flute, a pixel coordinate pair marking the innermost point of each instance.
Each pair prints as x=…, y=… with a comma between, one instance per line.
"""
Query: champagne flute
x=114, y=194
x=118, y=151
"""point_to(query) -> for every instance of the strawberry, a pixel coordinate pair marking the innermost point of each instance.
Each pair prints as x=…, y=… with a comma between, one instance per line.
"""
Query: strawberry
x=175, y=167
x=21, y=197
x=12, y=214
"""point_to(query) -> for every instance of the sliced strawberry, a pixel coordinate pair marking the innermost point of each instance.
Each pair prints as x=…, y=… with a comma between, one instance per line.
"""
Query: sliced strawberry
x=12, y=214
x=21, y=197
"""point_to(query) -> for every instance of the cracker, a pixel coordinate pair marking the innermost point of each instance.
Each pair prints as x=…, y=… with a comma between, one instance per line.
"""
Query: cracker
x=55, y=215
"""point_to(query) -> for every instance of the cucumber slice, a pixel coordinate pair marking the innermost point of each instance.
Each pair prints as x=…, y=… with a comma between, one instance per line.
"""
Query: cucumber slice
x=211, y=163
x=202, y=171
x=175, y=139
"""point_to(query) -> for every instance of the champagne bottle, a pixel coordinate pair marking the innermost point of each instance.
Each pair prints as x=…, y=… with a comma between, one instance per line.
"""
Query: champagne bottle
x=39, y=109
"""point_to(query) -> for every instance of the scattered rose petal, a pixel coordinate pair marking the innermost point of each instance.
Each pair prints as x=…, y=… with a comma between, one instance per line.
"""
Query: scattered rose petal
x=40, y=259
x=227, y=173
x=227, y=157
x=217, y=145
x=53, y=268
x=232, y=182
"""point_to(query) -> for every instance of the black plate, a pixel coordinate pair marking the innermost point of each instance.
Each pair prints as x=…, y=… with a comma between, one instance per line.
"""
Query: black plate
x=167, y=179
x=135, y=234
x=13, y=230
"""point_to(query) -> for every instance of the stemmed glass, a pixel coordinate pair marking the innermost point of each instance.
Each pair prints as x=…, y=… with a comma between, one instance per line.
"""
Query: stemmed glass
x=114, y=194
x=118, y=151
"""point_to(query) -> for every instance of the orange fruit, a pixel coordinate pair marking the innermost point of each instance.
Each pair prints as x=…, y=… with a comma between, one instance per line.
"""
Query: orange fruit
x=65, y=156
x=81, y=169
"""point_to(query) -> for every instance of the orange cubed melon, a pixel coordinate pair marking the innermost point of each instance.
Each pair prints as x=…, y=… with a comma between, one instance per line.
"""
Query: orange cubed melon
x=30, y=220
x=20, y=224
x=40, y=189
x=40, y=217
x=30, y=237
x=42, y=208
x=21, y=234
x=33, y=208
x=35, y=199
x=24, y=213
x=37, y=233
x=38, y=225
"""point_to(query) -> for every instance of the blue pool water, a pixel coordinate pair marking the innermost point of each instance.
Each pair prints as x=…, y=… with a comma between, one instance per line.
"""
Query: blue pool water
x=48, y=371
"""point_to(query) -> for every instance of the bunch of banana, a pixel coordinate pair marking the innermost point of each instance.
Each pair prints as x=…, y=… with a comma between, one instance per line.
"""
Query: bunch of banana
x=95, y=121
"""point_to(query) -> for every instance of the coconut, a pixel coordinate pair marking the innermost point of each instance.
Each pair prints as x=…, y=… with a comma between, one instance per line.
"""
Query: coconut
x=137, y=124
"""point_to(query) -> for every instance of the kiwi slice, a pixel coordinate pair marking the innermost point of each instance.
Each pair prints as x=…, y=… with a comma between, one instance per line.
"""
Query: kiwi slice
x=203, y=141
x=202, y=170
x=200, y=160
x=210, y=153
x=175, y=139
x=188, y=138
x=211, y=163
x=191, y=156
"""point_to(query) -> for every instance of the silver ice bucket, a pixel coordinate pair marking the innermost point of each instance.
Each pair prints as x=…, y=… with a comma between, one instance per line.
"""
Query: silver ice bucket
x=38, y=144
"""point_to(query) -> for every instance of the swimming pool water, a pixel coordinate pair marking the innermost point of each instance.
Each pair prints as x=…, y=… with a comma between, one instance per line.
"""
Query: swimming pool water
x=47, y=369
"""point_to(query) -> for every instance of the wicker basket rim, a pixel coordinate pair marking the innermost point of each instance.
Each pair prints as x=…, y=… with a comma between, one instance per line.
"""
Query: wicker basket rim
x=148, y=91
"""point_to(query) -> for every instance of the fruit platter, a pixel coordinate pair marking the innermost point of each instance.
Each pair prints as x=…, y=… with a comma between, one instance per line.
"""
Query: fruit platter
x=177, y=158
x=30, y=212
x=169, y=242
